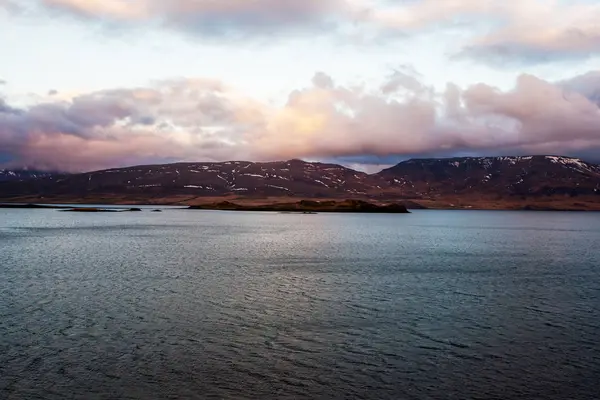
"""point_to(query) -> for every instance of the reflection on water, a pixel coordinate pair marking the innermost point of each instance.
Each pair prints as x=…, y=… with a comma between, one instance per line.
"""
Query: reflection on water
x=193, y=304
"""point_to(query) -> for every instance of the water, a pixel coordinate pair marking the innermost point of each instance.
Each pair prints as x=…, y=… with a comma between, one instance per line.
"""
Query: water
x=200, y=304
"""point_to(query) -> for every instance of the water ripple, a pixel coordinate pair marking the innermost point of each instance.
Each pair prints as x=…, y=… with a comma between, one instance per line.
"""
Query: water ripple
x=440, y=305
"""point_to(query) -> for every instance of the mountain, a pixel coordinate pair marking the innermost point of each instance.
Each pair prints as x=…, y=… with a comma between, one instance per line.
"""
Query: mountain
x=7, y=175
x=486, y=182
x=242, y=178
x=531, y=176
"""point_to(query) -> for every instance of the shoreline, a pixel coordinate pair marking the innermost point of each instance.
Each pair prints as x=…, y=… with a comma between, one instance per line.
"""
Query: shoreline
x=253, y=204
x=300, y=207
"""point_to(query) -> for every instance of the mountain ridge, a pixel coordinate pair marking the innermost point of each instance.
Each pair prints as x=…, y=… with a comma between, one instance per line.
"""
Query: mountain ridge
x=467, y=180
x=516, y=175
x=34, y=171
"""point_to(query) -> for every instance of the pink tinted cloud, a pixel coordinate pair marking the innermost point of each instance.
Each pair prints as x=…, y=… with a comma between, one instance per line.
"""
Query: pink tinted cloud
x=199, y=120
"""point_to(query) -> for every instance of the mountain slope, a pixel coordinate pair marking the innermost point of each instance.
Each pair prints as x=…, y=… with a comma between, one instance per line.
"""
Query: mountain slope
x=7, y=175
x=531, y=176
x=286, y=178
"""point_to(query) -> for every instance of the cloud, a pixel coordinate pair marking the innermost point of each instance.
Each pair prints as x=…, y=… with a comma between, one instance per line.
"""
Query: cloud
x=171, y=120
x=533, y=32
x=534, y=116
x=517, y=32
x=492, y=32
x=9, y=5
x=205, y=120
x=587, y=85
x=535, y=45
x=6, y=109
x=207, y=18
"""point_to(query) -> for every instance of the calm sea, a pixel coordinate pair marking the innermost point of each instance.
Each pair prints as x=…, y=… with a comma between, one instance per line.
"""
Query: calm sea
x=200, y=304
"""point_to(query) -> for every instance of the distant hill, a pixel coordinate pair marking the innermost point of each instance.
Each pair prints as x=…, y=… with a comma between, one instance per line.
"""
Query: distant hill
x=531, y=182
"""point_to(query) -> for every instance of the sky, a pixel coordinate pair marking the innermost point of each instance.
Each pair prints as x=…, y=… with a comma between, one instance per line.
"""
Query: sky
x=93, y=84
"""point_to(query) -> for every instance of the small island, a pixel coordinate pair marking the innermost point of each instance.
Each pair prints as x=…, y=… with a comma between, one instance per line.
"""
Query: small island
x=309, y=207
